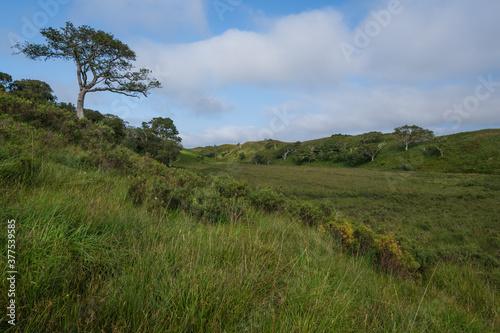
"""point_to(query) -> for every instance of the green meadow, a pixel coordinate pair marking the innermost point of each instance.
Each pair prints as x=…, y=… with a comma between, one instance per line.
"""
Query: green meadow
x=111, y=241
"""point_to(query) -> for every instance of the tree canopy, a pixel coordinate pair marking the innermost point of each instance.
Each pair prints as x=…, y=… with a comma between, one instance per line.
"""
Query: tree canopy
x=412, y=134
x=33, y=89
x=103, y=63
x=5, y=80
x=158, y=138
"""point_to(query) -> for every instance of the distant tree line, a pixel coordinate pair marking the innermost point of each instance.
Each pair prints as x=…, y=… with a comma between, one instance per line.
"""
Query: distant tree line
x=341, y=148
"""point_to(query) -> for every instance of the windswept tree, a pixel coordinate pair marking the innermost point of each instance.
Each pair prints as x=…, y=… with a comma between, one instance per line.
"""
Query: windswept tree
x=371, y=137
x=371, y=150
x=103, y=63
x=412, y=134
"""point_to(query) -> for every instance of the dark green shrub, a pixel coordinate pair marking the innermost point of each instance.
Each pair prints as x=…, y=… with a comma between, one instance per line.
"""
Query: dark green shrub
x=71, y=130
x=267, y=199
x=405, y=167
x=308, y=213
x=209, y=206
x=229, y=187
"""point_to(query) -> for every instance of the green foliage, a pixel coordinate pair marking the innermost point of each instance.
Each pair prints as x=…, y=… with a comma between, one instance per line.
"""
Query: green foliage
x=341, y=230
x=5, y=81
x=108, y=59
x=393, y=257
x=305, y=154
x=32, y=89
x=264, y=157
x=308, y=213
x=388, y=252
x=158, y=138
x=229, y=187
x=472, y=152
x=98, y=225
x=412, y=134
x=371, y=137
x=267, y=199
x=39, y=115
x=208, y=205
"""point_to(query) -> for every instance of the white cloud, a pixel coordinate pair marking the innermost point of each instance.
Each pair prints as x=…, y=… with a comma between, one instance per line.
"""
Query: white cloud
x=423, y=62
x=298, y=51
x=221, y=135
x=433, y=40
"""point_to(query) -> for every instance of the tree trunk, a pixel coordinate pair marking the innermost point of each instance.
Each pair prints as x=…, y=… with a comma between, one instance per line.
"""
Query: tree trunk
x=79, y=104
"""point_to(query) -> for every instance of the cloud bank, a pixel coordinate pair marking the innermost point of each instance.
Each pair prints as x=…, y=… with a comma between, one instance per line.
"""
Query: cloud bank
x=411, y=62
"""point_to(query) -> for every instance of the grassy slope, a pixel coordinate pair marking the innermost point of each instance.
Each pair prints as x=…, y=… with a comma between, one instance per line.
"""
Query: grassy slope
x=91, y=260
x=449, y=213
x=470, y=152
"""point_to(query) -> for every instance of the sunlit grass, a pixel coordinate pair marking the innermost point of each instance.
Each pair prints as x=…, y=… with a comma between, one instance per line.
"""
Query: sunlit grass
x=90, y=260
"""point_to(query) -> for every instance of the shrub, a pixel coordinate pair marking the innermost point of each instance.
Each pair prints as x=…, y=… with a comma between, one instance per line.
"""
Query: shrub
x=229, y=187
x=305, y=211
x=113, y=158
x=342, y=231
x=364, y=238
x=209, y=206
x=393, y=257
x=267, y=199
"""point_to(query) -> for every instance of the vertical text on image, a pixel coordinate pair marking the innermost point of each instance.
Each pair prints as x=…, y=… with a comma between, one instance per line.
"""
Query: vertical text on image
x=11, y=272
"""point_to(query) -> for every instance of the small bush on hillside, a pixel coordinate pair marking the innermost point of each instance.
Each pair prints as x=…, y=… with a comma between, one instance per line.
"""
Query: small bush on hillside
x=385, y=250
x=364, y=238
x=267, y=199
x=342, y=231
x=393, y=257
x=208, y=205
x=229, y=187
x=308, y=213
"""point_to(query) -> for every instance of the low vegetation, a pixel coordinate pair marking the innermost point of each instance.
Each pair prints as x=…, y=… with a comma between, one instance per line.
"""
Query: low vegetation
x=112, y=240
x=470, y=152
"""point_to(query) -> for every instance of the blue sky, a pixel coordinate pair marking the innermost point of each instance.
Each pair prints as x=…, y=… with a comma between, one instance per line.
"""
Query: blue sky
x=240, y=70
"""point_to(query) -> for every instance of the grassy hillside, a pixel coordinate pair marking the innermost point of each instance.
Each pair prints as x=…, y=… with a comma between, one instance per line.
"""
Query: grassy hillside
x=470, y=152
x=107, y=240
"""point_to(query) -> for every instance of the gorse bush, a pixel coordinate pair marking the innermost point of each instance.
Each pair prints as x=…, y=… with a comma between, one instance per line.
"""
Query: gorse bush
x=393, y=257
x=341, y=230
x=384, y=250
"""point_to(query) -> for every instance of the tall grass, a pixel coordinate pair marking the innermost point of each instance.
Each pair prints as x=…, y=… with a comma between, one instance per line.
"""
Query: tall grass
x=90, y=260
x=95, y=256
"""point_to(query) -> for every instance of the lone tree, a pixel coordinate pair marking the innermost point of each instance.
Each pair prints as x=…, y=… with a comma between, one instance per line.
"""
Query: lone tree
x=412, y=134
x=103, y=63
